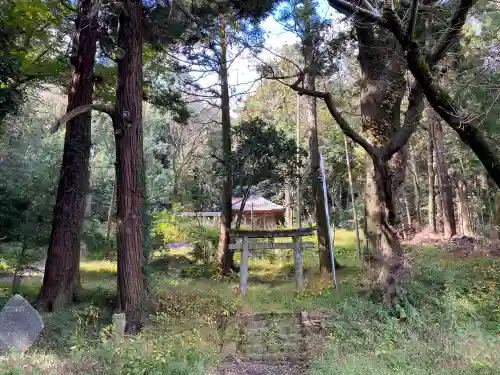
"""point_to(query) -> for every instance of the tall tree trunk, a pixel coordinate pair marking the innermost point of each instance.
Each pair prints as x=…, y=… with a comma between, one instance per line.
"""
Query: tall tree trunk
x=353, y=200
x=130, y=165
x=445, y=186
x=288, y=205
x=63, y=256
x=431, y=205
x=439, y=201
x=386, y=253
x=225, y=256
x=498, y=214
x=110, y=211
x=416, y=187
x=325, y=262
x=463, y=204
x=382, y=90
x=317, y=188
x=298, y=197
x=407, y=209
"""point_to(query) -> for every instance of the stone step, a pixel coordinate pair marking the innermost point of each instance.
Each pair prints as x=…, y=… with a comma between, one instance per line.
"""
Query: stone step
x=256, y=324
x=294, y=338
x=276, y=358
x=269, y=349
x=276, y=315
x=284, y=330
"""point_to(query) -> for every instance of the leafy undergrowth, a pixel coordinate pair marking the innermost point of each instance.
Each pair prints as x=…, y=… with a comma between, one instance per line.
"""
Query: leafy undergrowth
x=453, y=324
x=80, y=340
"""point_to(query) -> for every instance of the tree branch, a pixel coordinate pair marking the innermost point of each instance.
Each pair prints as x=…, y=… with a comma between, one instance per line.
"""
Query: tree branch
x=348, y=8
x=412, y=119
x=464, y=125
x=343, y=124
x=105, y=108
x=68, y=6
x=455, y=25
x=422, y=8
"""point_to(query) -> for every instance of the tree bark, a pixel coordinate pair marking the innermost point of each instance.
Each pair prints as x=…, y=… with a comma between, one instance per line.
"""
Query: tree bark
x=110, y=211
x=353, y=200
x=439, y=201
x=416, y=187
x=445, y=186
x=431, y=205
x=325, y=262
x=288, y=205
x=317, y=188
x=408, y=211
x=386, y=253
x=463, y=204
x=298, y=197
x=498, y=214
x=63, y=256
x=382, y=90
x=130, y=165
x=225, y=256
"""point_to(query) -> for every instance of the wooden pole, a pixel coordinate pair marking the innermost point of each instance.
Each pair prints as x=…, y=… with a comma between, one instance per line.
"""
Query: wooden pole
x=332, y=258
x=353, y=200
x=244, y=267
x=297, y=262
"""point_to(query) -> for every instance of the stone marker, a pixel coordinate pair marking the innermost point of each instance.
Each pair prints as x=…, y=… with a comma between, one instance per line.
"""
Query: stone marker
x=20, y=325
x=119, y=323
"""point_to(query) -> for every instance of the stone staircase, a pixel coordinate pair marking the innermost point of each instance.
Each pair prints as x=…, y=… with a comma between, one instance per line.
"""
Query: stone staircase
x=274, y=337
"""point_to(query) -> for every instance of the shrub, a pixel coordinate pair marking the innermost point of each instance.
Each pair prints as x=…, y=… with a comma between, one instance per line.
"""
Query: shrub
x=167, y=228
x=170, y=228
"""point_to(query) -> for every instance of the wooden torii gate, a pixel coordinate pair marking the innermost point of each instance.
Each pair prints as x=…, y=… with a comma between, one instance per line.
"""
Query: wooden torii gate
x=245, y=246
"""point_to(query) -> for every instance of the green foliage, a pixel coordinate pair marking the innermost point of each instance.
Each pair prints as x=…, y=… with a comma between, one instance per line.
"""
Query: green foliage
x=170, y=228
x=167, y=228
x=262, y=154
x=94, y=237
x=28, y=176
x=28, y=51
x=452, y=327
x=181, y=353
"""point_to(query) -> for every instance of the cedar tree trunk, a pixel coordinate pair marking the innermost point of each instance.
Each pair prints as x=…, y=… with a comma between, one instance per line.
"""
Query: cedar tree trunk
x=63, y=256
x=130, y=165
x=225, y=256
